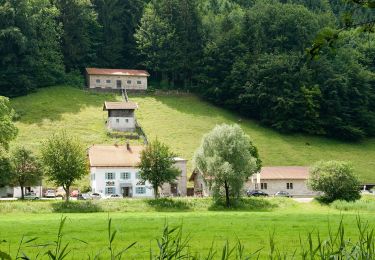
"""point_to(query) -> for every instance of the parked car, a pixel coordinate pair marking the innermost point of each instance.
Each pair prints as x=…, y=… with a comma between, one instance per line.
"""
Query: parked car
x=114, y=196
x=31, y=196
x=49, y=194
x=96, y=196
x=60, y=192
x=74, y=193
x=282, y=194
x=84, y=196
x=256, y=193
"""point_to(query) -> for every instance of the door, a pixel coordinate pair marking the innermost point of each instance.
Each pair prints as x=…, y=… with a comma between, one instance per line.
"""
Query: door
x=126, y=192
x=174, y=189
x=118, y=83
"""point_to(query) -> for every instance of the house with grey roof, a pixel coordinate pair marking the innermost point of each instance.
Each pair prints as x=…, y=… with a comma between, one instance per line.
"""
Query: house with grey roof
x=121, y=116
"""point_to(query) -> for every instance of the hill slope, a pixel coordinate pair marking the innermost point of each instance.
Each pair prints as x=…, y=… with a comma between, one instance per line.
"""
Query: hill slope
x=179, y=121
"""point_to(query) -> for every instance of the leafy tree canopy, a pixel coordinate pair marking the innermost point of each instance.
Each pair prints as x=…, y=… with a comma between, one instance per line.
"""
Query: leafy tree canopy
x=227, y=158
x=8, y=130
x=336, y=180
x=64, y=160
x=157, y=165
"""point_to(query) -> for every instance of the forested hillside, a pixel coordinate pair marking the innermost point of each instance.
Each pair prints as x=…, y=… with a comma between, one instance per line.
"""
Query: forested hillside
x=253, y=57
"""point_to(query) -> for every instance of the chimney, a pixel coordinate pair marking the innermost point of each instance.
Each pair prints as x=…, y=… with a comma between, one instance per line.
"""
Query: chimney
x=127, y=145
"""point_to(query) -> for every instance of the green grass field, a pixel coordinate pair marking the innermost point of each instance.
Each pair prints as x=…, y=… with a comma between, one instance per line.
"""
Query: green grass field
x=138, y=221
x=179, y=121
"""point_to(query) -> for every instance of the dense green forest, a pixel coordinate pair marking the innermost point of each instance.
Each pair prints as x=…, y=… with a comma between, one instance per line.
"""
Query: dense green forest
x=250, y=56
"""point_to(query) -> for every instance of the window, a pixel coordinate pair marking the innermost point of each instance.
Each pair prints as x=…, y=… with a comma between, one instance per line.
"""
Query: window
x=140, y=190
x=125, y=175
x=139, y=82
x=118, y=83
x=110, y=176
x=129, y=82
x=117, y=120
x=93, y=177
x=263, y=186
x=98, y=81
x=289, y=186
x=108, y=81
x=137, y=176
x=127, y=120
x=110, y=190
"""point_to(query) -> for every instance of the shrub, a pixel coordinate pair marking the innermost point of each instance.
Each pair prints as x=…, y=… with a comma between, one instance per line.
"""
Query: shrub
x=336, y=179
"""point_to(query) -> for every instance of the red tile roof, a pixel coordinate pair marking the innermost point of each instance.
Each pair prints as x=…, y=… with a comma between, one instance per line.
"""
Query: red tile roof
x=114, y=156
x=119, y=105
x=122, y=72
x=117, y=156
x=277, y=173
x=284, y=173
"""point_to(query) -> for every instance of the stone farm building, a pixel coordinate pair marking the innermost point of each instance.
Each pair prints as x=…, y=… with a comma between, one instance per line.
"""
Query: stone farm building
x=114, y=170
x=121, y=116
x=292, y=179
x=116, y=79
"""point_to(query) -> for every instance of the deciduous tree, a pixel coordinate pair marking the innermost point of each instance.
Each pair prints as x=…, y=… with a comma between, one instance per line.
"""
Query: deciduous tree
x=336, y=180
x=157, y=165
x=5, y=169
x=26, y=169
x=227, y=158
x=64, y=160
x=8, y=131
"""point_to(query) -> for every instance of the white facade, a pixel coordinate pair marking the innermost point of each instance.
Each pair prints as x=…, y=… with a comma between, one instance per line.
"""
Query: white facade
x=114, y=170
x=296, y=188
x=121, y=123
x=119, y=180
x=125, y=181
x=117, y=82
x=15, y=192
x=292, y=179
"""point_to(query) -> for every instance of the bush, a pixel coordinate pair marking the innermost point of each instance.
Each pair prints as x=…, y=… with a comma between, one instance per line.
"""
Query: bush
x=336, y=179
x=75, y=79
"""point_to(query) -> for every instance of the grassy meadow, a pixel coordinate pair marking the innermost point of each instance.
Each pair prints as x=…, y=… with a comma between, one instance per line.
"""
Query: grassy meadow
x=178, y=120
x=142, y=221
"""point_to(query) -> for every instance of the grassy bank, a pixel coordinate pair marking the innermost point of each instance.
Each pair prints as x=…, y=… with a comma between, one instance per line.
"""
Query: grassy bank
x=142, y=222
x=180, y=121
x=142, y=205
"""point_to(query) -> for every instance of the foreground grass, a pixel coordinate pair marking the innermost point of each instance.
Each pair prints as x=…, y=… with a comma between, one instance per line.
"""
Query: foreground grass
x=288, y=219
x=180, y=122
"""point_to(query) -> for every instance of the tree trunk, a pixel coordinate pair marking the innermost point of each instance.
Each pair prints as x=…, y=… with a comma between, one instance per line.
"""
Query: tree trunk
x=22, y=192
x=156, y=191
x=227, y=202
x=67, y=194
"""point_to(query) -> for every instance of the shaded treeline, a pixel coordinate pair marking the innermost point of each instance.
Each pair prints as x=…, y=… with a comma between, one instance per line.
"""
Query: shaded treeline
x=248, y=56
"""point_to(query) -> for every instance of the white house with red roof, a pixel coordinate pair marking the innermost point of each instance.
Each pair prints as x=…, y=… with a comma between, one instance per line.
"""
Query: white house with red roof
x=116, y=79
x=114, y=170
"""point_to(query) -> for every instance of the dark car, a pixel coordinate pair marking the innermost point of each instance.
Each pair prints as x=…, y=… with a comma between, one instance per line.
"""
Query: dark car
x=256, y=193
x=283, y=194
x=84, y=196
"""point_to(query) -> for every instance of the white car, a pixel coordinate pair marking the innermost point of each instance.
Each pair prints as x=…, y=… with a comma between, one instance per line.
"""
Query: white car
x=114, y=196
x=49, y=194
x=96, y=196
